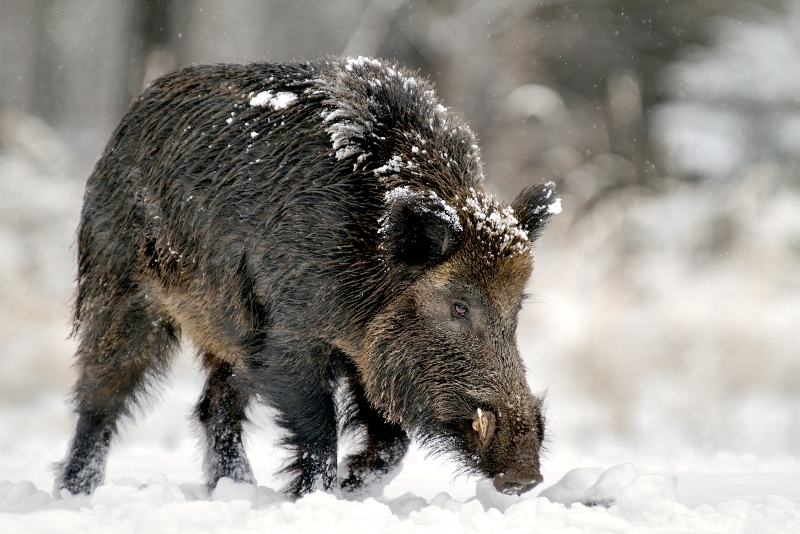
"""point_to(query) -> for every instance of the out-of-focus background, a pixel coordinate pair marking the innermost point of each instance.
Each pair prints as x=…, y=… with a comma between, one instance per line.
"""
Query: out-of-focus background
x=665, y=316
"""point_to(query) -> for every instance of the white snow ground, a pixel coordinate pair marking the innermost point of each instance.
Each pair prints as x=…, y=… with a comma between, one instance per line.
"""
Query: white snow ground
x=154, y=485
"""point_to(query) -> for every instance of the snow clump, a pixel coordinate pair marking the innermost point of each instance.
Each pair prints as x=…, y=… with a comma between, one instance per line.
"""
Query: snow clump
x=555, y=207
x=344, y=133
x=350, y=121
x=447, y=213
x=497, y=225
x=362, y=61
x=392, y=166
x=278, y=101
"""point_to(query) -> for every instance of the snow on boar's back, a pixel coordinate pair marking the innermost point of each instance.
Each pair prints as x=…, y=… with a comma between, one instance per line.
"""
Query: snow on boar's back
x=313, y=228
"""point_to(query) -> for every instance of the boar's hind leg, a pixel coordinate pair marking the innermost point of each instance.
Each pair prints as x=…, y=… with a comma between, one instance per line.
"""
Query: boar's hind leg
x=124, y=345
x=221, y=412
x=385, y=446
x=305, y=406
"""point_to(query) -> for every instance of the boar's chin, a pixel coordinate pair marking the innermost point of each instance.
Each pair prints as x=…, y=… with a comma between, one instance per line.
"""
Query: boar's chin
x=520, y=472
x=513, y=484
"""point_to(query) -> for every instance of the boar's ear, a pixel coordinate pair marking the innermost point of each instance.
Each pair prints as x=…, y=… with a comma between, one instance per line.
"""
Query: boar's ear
x=419, y=228
x=534, y=206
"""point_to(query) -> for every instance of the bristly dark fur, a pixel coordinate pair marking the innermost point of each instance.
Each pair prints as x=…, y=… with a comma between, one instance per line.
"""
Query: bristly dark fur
x=305, y=223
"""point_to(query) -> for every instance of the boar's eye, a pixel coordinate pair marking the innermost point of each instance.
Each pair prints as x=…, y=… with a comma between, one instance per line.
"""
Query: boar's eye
x=460, y=311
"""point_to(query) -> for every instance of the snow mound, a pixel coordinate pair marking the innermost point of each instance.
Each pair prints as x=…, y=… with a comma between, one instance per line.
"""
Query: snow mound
x=592, y=486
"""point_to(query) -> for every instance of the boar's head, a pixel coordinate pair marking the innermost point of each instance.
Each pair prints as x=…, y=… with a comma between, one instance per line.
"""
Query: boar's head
x=441, y=357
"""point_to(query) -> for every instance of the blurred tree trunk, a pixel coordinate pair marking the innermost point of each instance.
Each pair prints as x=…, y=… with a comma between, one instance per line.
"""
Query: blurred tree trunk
x=27, y=58
x=157, y=28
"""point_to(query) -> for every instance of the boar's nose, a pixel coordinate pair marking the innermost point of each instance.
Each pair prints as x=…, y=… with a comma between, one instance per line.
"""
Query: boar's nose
x=512, y=483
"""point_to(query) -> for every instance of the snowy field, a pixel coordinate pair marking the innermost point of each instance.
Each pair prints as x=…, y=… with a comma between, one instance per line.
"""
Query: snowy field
x=664, y=329
x=154, y=485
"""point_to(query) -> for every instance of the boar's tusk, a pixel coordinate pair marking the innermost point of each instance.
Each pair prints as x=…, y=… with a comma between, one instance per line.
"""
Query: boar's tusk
x=483, y=423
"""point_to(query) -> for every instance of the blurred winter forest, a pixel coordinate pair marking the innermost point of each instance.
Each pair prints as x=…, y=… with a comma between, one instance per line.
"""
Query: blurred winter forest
x=666, y=298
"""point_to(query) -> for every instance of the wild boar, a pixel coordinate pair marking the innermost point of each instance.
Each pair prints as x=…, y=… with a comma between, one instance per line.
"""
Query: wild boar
x=308, y=226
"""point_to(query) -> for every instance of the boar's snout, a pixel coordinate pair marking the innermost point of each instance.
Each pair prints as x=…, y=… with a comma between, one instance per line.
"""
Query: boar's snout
x=513, y=483
x=510, y=446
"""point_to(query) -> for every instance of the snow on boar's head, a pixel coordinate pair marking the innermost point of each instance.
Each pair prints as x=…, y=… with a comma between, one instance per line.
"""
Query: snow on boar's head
x=442, y=359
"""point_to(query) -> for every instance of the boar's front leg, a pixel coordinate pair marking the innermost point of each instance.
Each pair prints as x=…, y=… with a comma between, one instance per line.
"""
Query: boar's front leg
x=301, y=391
x=222, y=414
x=385, y=445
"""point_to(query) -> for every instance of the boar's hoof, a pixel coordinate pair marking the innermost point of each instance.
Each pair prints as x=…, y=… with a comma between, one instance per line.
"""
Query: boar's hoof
x=512, y=484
